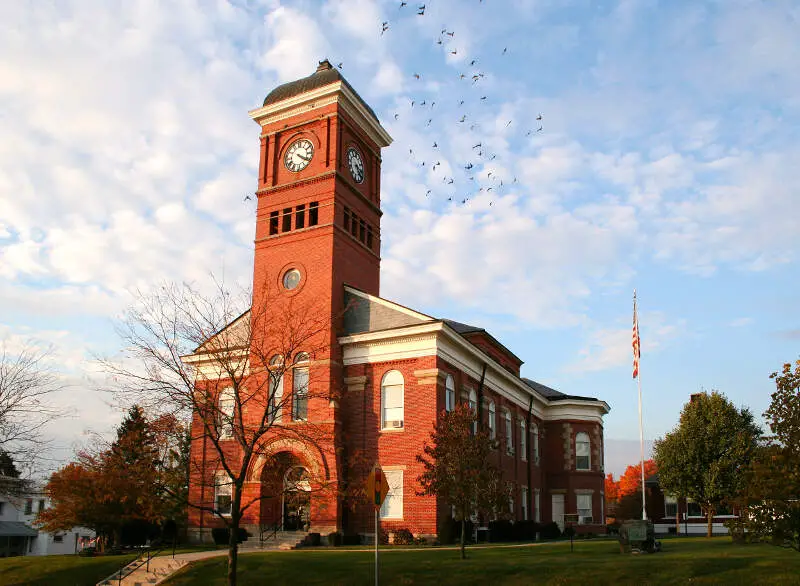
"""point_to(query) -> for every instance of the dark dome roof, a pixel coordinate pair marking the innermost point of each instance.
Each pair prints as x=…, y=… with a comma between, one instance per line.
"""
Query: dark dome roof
x=325, y=74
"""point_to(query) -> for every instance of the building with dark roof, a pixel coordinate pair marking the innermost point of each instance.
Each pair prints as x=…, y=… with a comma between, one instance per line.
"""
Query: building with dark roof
x=373, y=381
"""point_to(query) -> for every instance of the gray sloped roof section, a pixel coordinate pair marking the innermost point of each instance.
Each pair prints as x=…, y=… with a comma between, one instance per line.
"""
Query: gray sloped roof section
x=462, y=328
x=16, y=529
x=364, y=315
x=551, y=394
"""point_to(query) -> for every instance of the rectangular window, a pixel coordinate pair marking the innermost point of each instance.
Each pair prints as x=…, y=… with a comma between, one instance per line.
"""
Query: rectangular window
x=523, y=440
x=276, y=395
x=693, y=509
x=41, y=505
x=369, y=237
x=29, y=506
x=392, y=507
x=362, y=231
x=584, y=508
x=354, y=226
x=273, y=223
x=346, y=219
x=524, y=502
x=670, y=506
x=223, y=491
x=300, y=395
x=300, y=217
x=535, y=431
x=511, y=509
x=287, y=220
x=313, y=213
x=537, y=516
x=58, y=538
x=509, y=436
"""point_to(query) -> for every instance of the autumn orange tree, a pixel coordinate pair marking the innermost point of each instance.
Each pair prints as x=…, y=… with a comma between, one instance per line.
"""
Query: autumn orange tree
x=631, y=480
x=458, y=468
x=220, y=358
x=111, y=489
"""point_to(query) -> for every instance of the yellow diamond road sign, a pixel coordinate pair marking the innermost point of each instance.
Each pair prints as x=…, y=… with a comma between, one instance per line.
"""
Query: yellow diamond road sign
x=377, y=487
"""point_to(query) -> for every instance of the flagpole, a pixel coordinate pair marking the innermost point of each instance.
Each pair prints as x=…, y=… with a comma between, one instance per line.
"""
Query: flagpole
x=637, y=351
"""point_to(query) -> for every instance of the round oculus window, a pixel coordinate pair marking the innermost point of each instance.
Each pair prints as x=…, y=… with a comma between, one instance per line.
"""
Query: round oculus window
x=291, y=279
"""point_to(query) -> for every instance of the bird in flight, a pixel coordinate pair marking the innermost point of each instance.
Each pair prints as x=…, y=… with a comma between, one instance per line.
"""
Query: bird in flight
x=421, y=10
x=539, y=117
x=468, y=166
x=247, y=198
x=464, y=117
x=477, y=146
x=416, y=76
x=473, y=62
x=504, y=50
x=339, y=65
x=384, y=27
x=436, y=146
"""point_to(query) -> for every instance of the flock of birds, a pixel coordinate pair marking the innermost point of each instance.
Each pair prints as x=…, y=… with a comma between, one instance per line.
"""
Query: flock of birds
x=480, y=173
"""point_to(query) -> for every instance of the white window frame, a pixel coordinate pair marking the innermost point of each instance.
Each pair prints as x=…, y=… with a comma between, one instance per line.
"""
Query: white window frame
x=392, y=507
x=492, y=420
x=473, y=406
x=276, y=388
x=670, y=500
x=226, y=404
x=449, y=393
x=224, y=488
x=300, y=392
x=392, y=380
x=535, y=432
x=580, y=442
x=584, y=511
x=524, y=502
x=509, y=433
x=523, y=440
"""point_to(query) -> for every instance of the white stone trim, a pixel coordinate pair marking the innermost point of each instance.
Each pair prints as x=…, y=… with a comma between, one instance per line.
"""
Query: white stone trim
x=436, y=338
x=336, y=92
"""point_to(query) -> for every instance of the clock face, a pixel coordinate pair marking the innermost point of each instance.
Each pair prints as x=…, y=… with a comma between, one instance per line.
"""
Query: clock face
x=299, y=155
x=291, y=279
x=356, y=164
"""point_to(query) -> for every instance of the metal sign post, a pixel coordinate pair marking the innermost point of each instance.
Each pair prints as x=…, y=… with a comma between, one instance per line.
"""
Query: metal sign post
x=377, y=489
x=570, y=521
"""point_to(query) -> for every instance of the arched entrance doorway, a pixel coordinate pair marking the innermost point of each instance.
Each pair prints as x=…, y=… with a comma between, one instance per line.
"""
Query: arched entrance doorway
x=285, y=493
x=296, y=499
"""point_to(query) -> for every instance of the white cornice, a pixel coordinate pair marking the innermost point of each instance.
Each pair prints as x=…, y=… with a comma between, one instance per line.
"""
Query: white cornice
x=439, y=339
x=336, y=92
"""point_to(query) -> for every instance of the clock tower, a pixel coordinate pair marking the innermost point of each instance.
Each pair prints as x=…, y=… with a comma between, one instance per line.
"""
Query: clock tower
x=318, y=217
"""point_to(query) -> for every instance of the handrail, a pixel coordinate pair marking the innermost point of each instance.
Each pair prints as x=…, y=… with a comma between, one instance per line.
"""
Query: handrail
x=132, y=566
x=267, y=532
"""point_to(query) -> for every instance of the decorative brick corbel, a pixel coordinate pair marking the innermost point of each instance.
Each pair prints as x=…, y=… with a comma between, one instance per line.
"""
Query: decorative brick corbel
x=355, y=383
x=429, y=376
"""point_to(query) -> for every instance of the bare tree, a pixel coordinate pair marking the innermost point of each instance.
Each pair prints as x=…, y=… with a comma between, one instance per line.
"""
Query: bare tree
x=221, y=359
x=27, y=383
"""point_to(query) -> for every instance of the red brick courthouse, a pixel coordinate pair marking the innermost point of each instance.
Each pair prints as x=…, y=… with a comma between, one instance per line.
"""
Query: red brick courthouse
x=318, y=236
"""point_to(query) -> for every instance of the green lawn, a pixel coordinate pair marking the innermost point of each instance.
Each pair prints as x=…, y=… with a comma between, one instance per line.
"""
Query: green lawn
x=692, y=560
x=61, y=570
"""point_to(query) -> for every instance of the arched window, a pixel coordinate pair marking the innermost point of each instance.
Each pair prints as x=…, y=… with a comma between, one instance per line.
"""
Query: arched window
x=226, y=412
x=535, y=432
x=509, y=434
x=523, y=439
x=223, y=491
x=492, y=420
x=473, y=406
x=449, y=393
x=392, y=391
x=300, y=387
x=582, y=451
x=275, y=387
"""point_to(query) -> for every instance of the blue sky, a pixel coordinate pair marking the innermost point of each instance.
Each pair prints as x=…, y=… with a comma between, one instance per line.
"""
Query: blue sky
x=667, y=162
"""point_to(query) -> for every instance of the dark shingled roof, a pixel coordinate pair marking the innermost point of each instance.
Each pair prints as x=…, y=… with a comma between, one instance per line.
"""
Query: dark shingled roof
x=552, y=394
x=462, y=328
x=325, y=74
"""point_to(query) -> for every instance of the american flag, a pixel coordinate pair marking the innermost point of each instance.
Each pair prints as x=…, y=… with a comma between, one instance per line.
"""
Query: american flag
x=636, y=350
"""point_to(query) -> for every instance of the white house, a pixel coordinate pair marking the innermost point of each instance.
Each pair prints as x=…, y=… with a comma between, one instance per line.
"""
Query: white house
x=18, y=533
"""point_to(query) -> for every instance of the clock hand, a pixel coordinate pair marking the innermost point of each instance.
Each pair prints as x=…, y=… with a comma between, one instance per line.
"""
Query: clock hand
x=299, y=156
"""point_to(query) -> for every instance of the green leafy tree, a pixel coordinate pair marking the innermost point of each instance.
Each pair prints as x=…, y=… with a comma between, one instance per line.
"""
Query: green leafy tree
x=458, y=468
x=705, y=456
x=771, y=499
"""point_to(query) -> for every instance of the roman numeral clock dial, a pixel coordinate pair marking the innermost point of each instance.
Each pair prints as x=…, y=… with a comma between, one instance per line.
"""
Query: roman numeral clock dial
x=356, y=165
x=298, y=155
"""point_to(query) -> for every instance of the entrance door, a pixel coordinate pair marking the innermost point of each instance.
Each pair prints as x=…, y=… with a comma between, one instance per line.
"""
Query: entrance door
x=296, y=499
x=558, y=510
